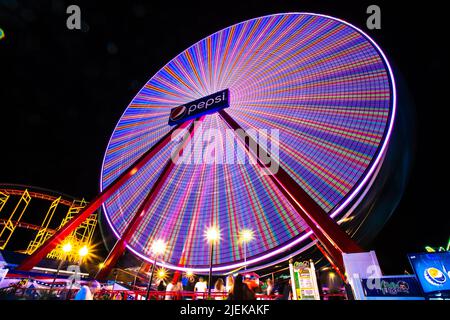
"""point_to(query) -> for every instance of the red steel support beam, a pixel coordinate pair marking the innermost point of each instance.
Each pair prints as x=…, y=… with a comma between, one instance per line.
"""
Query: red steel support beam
x=59, y=236
x=335, y=240
x=331, y=261
x=120, y=246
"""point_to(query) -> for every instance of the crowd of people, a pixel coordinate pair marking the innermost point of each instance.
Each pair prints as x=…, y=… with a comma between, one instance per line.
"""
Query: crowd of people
x=233, y=288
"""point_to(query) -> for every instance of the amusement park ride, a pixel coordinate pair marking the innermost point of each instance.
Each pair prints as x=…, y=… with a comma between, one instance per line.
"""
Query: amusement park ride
x=18, y=199
x=323, y=83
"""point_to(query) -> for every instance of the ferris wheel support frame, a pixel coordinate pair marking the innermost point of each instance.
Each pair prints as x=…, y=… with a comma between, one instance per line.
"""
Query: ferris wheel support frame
x=29, y=262
x=333, y=239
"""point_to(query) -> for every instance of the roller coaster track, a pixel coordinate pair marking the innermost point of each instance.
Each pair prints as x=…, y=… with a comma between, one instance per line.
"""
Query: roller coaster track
x=38, y=195
x=25, y=225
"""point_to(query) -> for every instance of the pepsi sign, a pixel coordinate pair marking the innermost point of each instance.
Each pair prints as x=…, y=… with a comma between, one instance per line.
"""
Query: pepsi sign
x=206, y=105
x=432, y=270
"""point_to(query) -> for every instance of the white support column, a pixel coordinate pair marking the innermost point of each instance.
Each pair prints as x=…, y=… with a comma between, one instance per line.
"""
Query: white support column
x=359, y=266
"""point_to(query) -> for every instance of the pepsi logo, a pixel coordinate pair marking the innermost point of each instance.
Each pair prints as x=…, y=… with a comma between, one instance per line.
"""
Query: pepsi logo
x=206, y=105
x=177, y=113
x=435, y=276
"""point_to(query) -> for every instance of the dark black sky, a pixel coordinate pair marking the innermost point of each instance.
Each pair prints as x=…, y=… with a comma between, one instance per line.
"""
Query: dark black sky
x=63, y=91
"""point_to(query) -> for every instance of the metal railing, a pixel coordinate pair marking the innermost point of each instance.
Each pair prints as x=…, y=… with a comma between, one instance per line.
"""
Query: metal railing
x=12, y=293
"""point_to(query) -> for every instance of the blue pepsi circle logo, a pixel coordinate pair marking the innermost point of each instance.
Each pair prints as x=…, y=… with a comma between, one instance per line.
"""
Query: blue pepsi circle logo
x=178, y=113
x=435, y=276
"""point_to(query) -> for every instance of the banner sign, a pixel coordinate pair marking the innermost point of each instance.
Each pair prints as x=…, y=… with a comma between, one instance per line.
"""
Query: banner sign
x=396, y=286
x=304, y=281
x=432, y=270
x=206, y=105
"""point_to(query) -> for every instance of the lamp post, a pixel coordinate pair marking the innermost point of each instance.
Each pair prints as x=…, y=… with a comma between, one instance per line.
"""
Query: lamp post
x=189, y=273
x=158, y=248
x=212, y=235
x=246, y=236
x=65, y=249
x=161, y=274
x=83, y=252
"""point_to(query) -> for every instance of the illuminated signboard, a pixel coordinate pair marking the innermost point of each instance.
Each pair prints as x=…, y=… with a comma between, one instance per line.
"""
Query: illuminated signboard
x=392, y=286
x=197, y=108
x=304, y=281
x=432, y=270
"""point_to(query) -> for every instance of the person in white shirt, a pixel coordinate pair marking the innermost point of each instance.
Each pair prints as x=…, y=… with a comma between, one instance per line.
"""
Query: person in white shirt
x=169, y=289
x=200, y=288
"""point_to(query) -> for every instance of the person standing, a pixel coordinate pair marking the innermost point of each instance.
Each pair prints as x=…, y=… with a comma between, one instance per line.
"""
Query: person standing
x=178, y=289
x=269, y=289
x=200, y=288
x=161, y=288
x=241, y=291
x=229, y=284
x=84, y=294
x=169, y=291
x=287, y=291
x=219, y=289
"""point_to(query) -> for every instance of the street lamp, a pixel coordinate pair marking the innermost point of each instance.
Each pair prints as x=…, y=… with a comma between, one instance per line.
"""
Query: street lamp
x=66, y=248
x=161, y=274
x=158, y=248
x=246, y=236
x=212, y=235
x=189, y=273
x=82, y=252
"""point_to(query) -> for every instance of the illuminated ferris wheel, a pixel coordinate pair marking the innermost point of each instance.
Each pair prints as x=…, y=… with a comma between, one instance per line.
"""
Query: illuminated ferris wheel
x=319, y=85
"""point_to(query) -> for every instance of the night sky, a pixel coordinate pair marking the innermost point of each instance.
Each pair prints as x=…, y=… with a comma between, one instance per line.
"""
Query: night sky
x=63, y=91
